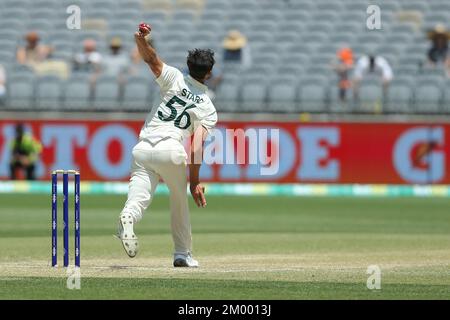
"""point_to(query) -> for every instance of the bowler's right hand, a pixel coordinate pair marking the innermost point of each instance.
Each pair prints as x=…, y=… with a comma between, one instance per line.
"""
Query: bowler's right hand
x=144, y=29
x=198, y=193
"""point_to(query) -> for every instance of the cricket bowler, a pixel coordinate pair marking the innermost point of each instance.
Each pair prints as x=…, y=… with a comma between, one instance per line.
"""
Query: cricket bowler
x=185, y=111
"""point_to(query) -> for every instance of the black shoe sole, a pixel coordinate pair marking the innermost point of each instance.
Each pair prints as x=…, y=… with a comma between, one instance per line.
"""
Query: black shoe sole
x=180, y=263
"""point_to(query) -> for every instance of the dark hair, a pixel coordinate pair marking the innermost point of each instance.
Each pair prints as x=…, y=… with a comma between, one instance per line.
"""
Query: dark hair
x=200, y=62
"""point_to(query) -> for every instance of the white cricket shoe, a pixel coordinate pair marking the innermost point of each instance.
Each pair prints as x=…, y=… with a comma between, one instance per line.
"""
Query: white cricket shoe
x=183, y=260
x=126, y=234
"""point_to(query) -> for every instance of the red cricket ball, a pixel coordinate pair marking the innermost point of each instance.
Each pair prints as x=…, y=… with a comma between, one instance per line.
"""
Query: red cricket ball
x=143, y=27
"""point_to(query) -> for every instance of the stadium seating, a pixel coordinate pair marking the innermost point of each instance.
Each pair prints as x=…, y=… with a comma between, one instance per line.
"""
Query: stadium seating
x=21, y=91
x=399, y=96
x=136, y=96
x=48, y=93
x=77, y=93
x=292, y=45
x=106, y=93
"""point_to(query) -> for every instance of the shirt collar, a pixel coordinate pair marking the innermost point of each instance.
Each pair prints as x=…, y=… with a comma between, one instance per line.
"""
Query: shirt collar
x=196, y=83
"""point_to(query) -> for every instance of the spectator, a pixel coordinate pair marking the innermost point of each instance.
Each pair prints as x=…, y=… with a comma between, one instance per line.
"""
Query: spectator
x=2, y=84
x=115, y=63
x=33, y=53
x=89, y=60
x=236, y=51
x=439, y=54
x=343, y=66
x=25, y=152
x=372, y=65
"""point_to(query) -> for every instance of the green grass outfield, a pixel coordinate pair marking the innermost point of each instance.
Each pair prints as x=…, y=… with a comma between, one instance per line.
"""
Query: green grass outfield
x=248, y=248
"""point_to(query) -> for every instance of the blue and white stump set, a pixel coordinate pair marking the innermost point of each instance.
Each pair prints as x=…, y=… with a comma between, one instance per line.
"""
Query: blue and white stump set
x=65, y=174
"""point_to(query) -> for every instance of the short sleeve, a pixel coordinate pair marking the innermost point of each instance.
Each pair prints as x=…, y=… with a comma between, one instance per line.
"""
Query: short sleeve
x=209, y=122
x=205, y=117
x=386, y=68
x=168, y=76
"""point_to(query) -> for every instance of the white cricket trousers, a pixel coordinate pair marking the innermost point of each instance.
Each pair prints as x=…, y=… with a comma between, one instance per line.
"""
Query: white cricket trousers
x=166, y=160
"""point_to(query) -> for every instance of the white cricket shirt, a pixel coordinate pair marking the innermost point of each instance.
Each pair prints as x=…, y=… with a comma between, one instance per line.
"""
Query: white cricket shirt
x=184, y=106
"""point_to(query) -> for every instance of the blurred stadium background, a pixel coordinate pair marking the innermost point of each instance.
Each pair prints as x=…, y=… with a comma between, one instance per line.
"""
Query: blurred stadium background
x=292, y=44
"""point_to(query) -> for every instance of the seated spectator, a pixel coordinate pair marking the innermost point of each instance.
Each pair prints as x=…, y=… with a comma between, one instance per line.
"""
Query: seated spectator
x=343, y=65
x=2, y=84
x=89, y=60
x=236, y=51
x=439, y=53
x=372, y=65
x=33, y=53
x=115, y=63
x=25, y=151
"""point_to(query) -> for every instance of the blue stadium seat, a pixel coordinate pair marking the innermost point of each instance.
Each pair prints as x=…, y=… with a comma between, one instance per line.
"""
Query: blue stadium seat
x=319, y=27
x=217, y=5
x=11, y=23
x=419, y=6
x=290, y=27
x=314, y=38
x=20, y=90
x=44, y=13
x=130, y=5
x=370, y=97
x=130, y=14
x=7, y=57
x=446, y=97
x=10, y=35
x=106, y=93
x=346, y=27
x=6, y=5
x=227, y=97
x=8, y=45
x=428, y=97
x=282, y=97
x=16, y=12
x=291, y=70
x=343, y=38
x=328, y=6
x=439, y=6
x=297, y=16
x=102, y=4
x=312, y=94
x=399, y=97
x=184, y=15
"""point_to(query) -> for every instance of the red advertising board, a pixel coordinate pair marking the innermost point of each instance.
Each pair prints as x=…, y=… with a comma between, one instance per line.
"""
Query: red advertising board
x=272, y=152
